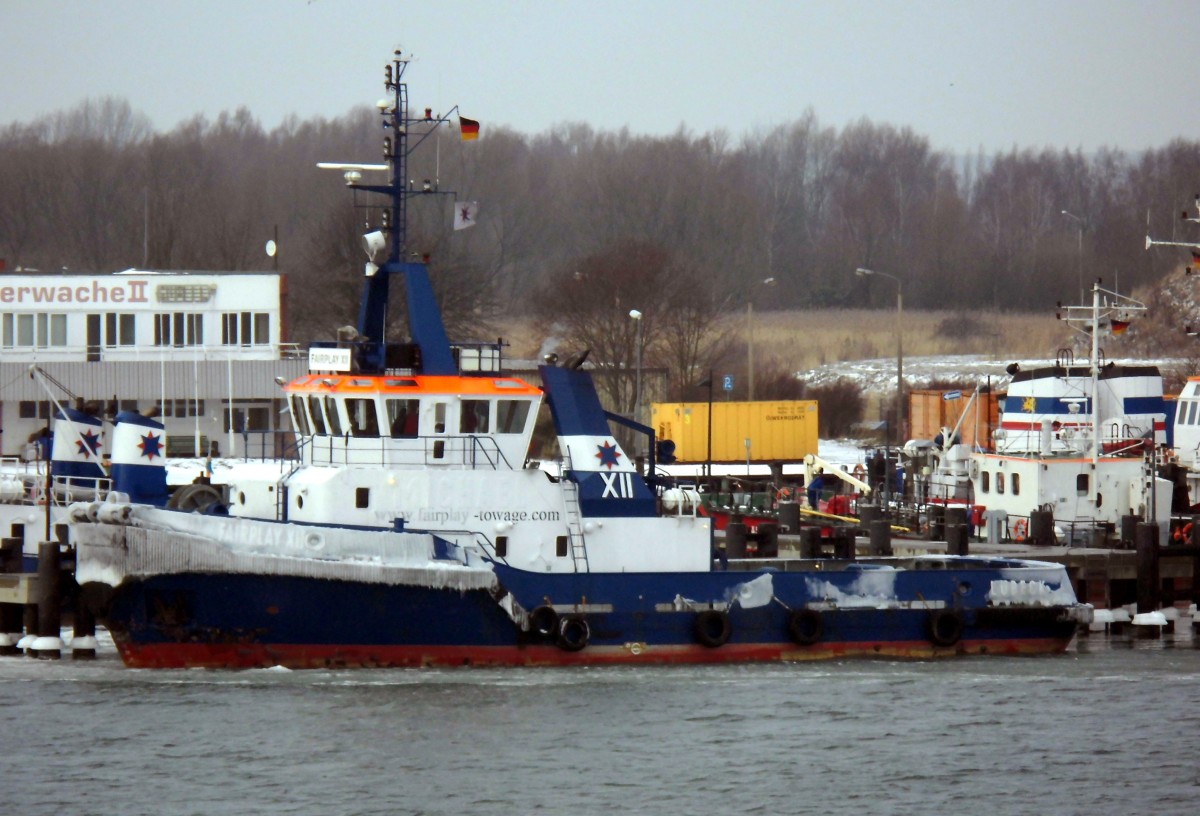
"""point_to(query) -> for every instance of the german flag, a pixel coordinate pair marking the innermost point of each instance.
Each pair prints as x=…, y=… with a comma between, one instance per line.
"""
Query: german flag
x=469, y=128
x=1119, y=326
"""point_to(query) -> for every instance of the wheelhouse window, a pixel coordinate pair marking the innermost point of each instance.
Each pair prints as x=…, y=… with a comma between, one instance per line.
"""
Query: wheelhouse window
x=318, y=417
x=511, y=415
x=474, y=416
x=363, y=419
x=331, y=414
x=403, y=416
x=299, y=416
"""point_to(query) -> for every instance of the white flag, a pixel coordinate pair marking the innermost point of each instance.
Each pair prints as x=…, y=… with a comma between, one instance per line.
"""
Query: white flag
x=464, y=214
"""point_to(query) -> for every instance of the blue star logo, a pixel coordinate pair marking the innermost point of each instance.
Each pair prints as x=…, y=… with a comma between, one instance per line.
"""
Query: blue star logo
x=151, y=446
x=608, y=455
x=89, y=443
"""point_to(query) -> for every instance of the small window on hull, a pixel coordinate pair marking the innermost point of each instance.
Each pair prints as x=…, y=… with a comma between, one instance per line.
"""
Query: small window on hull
x=362, y=497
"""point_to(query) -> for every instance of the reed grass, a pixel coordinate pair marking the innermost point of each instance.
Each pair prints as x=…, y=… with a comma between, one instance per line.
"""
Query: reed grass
x=802, y=340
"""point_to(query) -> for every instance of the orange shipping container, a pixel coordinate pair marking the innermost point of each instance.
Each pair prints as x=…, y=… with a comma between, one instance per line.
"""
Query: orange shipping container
x=781, y=431
x=930, y=411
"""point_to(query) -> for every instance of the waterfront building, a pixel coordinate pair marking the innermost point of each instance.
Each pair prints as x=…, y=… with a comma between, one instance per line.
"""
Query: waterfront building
x=201, y=350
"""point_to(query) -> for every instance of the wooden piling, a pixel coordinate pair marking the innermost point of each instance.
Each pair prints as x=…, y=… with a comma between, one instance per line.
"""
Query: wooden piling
x=48, y=645
x=1146, y=541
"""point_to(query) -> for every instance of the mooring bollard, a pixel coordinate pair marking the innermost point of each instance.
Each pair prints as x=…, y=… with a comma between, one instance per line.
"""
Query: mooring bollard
x=83, y=638
x=10, y=613
x=810, y=542
x=881, y=537
x=1147, y=567
x=48, y=645
x=1129, y=525
x=937, y=522
x=843, y=543
x=1041, y=528
x=789, y=516
x=768, y=540
x=735, y=539
x=956, y=539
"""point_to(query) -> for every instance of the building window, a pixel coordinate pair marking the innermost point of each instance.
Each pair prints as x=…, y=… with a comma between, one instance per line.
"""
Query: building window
x=181, y=408
x=118, y=330
x=33, y=330
x=178, y=329
x=245, y=329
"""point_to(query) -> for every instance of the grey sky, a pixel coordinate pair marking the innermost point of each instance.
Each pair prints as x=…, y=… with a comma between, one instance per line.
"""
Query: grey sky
x=967, y=74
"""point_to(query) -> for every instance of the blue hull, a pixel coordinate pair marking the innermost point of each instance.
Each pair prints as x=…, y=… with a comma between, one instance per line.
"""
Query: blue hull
x=189, y=620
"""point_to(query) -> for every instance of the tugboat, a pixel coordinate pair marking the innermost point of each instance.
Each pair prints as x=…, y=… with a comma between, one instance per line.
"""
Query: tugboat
x=1075, y=451
x=413, y=531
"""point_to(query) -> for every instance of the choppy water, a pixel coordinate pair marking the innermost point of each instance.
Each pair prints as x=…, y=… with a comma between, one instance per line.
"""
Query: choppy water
x=1112, y=727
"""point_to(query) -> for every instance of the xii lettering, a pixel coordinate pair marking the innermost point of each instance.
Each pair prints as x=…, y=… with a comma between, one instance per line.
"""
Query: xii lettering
x=617, y=485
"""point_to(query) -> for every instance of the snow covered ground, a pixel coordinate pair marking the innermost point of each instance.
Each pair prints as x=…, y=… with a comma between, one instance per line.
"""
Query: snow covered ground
x=879, y=374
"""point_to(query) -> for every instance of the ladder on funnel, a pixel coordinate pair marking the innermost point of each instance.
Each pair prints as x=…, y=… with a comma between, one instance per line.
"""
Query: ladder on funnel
x=574, y=517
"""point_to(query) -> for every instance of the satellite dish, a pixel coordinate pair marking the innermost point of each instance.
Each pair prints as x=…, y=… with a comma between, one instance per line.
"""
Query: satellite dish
x=271, y=249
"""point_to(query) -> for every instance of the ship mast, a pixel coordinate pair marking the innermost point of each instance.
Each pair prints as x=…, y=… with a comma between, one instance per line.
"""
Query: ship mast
x=1104, y=315
x=424, y=317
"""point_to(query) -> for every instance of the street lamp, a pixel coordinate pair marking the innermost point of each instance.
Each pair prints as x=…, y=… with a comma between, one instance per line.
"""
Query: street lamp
x=708, y=381
x=899, y=343
x=1081, y=223
x=637, y=390
x=750, y=333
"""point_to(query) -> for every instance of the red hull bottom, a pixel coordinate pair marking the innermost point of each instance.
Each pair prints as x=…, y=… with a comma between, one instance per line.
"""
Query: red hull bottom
x=247, y=656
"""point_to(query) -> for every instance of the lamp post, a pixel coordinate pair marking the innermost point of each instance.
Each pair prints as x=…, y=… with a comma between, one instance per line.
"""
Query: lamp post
x=750, y=333
x=708, y=381
x=1081, y=223
x=899, y=344
x=637, y=389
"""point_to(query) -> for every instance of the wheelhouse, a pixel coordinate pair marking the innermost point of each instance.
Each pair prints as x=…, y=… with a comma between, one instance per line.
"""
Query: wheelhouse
x=447, y=419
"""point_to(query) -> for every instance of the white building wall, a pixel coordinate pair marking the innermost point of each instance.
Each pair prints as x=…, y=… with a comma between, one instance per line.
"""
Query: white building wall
x=146, y=339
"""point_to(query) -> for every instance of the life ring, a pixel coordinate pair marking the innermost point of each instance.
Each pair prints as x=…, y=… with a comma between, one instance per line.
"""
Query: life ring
x=783, y=494
x=543, y=621
x=1183, y=533
x=1020, y=530
x=573, y=633
x=945, y=627
x=860, y=472
x=805, y=626
x=712, y=627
